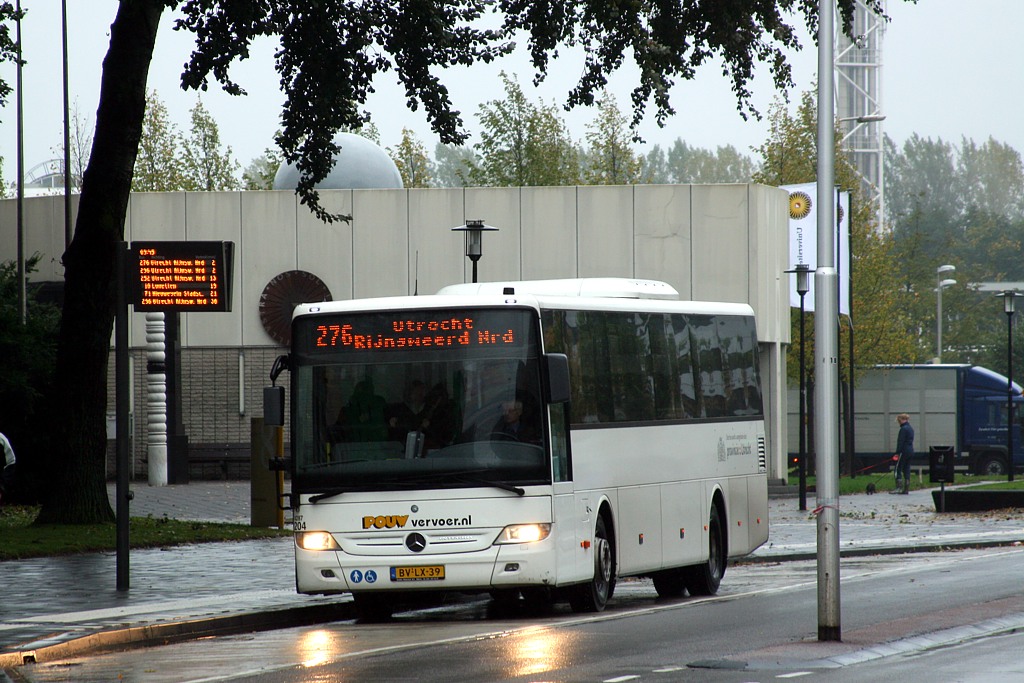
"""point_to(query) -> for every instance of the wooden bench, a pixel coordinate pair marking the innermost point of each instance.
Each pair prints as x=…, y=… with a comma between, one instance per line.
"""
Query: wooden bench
x=211, y=461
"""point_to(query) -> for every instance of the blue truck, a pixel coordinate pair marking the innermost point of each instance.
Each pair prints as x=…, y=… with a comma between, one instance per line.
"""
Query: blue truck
x=954, y=405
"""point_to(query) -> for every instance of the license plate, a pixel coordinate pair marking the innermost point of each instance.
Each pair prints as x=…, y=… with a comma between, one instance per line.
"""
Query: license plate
x=433, y=572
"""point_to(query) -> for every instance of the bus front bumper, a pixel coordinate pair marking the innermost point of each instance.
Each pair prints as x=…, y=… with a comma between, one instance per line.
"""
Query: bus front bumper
x=499, y=566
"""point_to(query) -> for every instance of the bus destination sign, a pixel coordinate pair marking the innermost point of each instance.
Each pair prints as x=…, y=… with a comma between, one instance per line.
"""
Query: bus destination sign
x=181, y=276
x=418, y=330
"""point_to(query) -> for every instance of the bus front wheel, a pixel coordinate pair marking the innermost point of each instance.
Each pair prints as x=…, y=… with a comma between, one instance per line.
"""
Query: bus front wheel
x=593, y=595
x=373, y=607
x=704, y=579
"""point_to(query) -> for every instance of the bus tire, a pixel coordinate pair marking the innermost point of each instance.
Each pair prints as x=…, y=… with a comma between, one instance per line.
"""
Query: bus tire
x=992, y=463
x=505, y=597
x=373, y=607
x=704, y=579
x=670, y=583
x=593, y=595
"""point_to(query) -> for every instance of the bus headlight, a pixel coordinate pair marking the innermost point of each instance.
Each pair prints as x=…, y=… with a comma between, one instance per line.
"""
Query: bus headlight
x=523, y=533
x=316, y=540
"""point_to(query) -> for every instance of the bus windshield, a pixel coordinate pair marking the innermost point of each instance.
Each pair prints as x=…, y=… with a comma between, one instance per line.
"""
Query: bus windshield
x=394, y=400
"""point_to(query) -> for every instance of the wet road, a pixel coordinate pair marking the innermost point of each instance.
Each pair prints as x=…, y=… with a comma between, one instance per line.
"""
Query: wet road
x=760, y=627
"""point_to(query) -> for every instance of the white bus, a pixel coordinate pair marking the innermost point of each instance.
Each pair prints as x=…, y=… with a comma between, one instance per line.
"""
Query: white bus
x=531, y=439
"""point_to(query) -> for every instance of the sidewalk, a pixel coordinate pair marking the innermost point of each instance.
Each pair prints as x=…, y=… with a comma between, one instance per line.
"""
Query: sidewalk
x=69, y=605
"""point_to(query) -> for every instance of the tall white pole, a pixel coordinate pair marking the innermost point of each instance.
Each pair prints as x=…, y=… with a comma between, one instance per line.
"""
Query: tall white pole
x=67, y=128
x=826, y=346
x=156, y=398
x=20, y=154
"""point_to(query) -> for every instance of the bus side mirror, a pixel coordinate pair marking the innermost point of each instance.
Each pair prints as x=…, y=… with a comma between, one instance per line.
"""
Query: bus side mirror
x=556, y=378
x=273, y=406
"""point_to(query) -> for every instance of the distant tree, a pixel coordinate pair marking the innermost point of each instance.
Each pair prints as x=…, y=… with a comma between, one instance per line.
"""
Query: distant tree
x=654, y=166
x=453, y=165
x=412, y=160
x=80, y=139
x=610, y=158
x=158, y=168
x=522, y=143
x=261, y=171
x=330, y=53
x=884, y=331
x=959, y=205
x=790, y=154
x=366, y=129
x=939, y=190
x=921, y=182
x=208, y=166
x=993, y=175
x=694, y=165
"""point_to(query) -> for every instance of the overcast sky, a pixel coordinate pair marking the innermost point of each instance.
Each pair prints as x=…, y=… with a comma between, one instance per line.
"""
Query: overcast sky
x=950, y=70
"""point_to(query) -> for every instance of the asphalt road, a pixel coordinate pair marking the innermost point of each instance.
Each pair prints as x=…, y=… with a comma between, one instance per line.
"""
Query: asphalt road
x=902, y=616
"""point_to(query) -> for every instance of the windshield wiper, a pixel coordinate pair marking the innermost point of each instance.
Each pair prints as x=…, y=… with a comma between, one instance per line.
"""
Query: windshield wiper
x=329, y=493
x=504, y=486
x=464, y=476
x=423, y=479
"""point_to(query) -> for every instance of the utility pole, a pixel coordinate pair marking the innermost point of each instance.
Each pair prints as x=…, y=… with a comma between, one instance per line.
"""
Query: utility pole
x=826, y=346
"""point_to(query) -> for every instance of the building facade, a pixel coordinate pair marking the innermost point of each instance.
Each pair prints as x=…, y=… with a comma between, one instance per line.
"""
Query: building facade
x=710, y=242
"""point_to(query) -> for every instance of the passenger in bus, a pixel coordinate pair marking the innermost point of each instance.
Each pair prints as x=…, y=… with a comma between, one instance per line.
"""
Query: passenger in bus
x=512, y=426
x=362, y=418
x=411, y=414
x=439, y=418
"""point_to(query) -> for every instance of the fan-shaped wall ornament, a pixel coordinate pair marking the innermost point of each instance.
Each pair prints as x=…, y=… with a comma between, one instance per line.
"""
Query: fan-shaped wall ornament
x=280, y=297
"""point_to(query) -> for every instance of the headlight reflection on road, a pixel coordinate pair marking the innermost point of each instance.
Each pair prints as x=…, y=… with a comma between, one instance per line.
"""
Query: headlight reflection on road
x=533, y=652
x=317, y=647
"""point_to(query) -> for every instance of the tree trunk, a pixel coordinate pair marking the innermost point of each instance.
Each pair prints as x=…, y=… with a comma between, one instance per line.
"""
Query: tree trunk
x=78, y=406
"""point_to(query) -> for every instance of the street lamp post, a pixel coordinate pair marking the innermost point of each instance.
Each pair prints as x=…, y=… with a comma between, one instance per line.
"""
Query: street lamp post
x=864, y=142
x=1009, y=305
x=803, y=285
x=940, y=283
x=866, y=118
x=474, y=240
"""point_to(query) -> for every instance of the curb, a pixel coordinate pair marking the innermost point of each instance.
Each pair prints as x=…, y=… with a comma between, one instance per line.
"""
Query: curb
x=864, y=551
x=177, y=631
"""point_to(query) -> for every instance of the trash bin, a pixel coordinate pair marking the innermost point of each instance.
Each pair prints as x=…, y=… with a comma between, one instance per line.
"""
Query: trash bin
x=940, y=465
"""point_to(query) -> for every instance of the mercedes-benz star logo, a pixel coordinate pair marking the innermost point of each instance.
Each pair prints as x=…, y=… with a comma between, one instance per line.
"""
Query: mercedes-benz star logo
x=415, y=542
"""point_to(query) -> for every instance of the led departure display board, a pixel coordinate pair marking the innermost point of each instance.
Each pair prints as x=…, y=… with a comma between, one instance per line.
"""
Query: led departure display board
x=180, y=276
x=409, y=330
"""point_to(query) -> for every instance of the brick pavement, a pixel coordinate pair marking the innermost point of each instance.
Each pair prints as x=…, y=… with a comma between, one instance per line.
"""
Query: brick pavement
x=215, y=501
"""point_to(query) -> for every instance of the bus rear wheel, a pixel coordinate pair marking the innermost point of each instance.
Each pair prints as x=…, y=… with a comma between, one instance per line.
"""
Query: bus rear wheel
x=593, y=595
x=704, y=579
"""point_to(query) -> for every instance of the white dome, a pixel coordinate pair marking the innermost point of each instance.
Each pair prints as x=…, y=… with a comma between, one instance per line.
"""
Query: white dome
x=360, y=165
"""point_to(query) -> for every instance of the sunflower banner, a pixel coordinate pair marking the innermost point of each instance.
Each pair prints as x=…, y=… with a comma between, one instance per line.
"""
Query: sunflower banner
x=803, y=241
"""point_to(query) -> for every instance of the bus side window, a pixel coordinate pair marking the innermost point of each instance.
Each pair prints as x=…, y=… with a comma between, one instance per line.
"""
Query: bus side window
x=560, y=464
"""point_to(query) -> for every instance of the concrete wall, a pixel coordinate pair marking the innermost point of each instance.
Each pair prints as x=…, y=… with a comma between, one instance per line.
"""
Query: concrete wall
x=711, y=242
